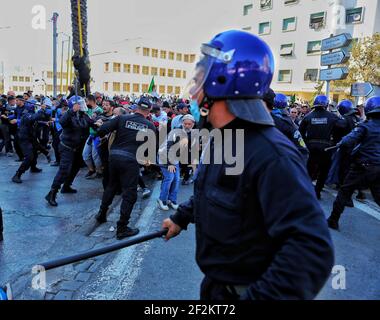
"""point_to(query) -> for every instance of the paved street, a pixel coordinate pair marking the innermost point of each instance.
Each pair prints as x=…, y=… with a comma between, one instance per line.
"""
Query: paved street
x=35, y=233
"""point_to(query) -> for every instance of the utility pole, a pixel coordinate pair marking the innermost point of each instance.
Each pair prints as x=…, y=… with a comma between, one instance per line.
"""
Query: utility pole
x=55, y=36
x=328, y=81
x=68, y=63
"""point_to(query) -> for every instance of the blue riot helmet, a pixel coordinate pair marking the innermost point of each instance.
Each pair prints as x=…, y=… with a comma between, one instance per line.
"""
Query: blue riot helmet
x=144, y=103
x=321, y=101
x=77, y=100
x=346, y=107
x=281, y=101
x=372, y=106
x=235, y=66
x=30, y=105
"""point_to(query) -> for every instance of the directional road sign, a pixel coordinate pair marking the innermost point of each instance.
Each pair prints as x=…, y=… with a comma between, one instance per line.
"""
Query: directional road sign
x=339, y=41
x=333, y=74
x=337, y=57
x=361, y=89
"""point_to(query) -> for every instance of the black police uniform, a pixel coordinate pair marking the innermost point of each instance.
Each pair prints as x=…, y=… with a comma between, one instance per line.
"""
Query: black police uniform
x=27, y=141
x=262, y=230
x=285, y=124
x=123, y=165
x=317, y=130
x=365, y=168
x=75, y=125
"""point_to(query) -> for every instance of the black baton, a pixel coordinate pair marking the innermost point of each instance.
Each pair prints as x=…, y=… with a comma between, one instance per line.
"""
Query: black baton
x=97, y=252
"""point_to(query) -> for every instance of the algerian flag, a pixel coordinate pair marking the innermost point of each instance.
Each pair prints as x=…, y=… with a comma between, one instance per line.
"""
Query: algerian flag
x=152, y=86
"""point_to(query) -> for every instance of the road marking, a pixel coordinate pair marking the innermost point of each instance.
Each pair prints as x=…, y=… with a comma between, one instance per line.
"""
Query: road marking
x=115, y=281
x=365, y=207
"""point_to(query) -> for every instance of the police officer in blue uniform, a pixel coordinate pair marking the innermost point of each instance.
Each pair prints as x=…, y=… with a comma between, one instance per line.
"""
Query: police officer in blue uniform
x=364, y=143
x=27, y=139
x=317, y=129
x=75, y=123
x=256, y=237
x=277, y=104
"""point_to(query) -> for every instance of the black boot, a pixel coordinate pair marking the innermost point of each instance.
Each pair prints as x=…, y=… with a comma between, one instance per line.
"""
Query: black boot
x=125, y=231
x=35, y=170
x=51, y=197
x=101, y=217
x=68, y=189
x=17, y=177
x=333, y=221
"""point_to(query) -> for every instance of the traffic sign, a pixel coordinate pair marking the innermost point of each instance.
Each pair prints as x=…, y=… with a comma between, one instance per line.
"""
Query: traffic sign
x=333, y=74
x=338, y=57
x=361, y=89
x=339, y=41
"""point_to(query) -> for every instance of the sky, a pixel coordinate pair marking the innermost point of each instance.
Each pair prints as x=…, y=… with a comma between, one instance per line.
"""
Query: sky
x=186, y=23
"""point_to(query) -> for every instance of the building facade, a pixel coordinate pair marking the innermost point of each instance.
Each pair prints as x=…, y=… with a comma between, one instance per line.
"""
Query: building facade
x=294, y=30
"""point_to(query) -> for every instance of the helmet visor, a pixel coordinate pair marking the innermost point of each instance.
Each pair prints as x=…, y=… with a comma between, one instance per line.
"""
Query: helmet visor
x=202, y=70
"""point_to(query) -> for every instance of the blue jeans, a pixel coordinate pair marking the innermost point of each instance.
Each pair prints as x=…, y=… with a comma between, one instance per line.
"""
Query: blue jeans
x=170, y=185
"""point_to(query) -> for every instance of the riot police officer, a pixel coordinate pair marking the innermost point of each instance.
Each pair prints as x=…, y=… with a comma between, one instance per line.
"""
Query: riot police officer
x=123, y=168
x=277, y=104
x=27, y=139
x=75, y=123
x=317, y=130
x=364, y=143
x=255, y=237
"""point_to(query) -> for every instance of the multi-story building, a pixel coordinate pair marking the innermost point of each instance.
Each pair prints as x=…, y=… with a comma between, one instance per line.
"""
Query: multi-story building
x=128, y=70
x=294, y=30
x=131, y=69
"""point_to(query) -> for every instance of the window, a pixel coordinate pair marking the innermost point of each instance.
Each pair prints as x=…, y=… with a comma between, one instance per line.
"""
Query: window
x=106, y=67
x=154, y=53
x=15, y=88
x=179, y=56
x=153, y=71
x=265, y=4
x=311, y=75
x=50, y=74
x=247, y=8
x=317, y=20
x=14, y=78
x=146, y=52
x=170, y=73
x=145, y=70
x=162, y=89
x=126, y=87
x=289, y=2
x=117, y=67
x=289, y=24
x=354, y=15
x=127, y=68
x=49, y=88
x=313, y=47
x=171, y=55
x=264, y=28
x=145, y=87
x=170, y=90
x=162, y=72
x=286, y=50
x=105, y=86
x=138, y=49
x=192, y=58
x=177, y=90
x=21, y=89
x=136, y=69
x=178, y=73
x=184, y=74
x=21, y=79
x=285, y=76
x=136, y=87
x=186, y=58
x=29, y=88
x=163, y=54
x=116, y=86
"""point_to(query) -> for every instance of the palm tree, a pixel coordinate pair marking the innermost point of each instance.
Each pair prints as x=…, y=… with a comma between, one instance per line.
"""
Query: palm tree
x=80, y=59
